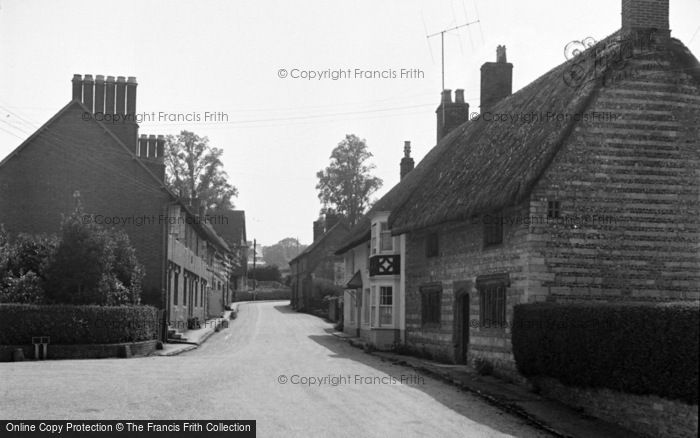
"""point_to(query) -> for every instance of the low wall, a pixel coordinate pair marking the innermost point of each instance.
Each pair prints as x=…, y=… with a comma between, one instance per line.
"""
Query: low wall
x=83, y=351
x=646, y=414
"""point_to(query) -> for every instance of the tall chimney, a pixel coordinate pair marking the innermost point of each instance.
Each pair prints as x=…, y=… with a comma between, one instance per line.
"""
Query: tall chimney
x=644, y=16
x=451, y=114
x=77, y=87
x=87, y=91
x=407, y=163
x=109, y=95
x=121, y=96
x=124, y=98
x=496, y=80
x=319, y=228
x=99, y=94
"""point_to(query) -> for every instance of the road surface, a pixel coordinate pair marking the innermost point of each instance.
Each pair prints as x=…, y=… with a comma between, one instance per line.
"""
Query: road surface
x=281, y=368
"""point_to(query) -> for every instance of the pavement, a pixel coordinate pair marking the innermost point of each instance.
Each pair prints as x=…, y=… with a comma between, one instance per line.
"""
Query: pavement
x=549, y=415
x=197, y=337
x=281, y=368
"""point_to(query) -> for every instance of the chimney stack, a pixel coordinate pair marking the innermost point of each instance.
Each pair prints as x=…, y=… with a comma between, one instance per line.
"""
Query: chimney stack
x=644, y=16
x=319, y=228
x=87, y=92
x=451, y=114
x=151, y=150
x=496, y=80
x=117, y=100
x=99, y=94
x=407, y=163
x=332, y=218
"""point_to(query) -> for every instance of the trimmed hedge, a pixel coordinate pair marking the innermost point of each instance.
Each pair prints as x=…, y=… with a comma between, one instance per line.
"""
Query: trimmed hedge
x=263, y=295
x=635, y=348
x=66, y=324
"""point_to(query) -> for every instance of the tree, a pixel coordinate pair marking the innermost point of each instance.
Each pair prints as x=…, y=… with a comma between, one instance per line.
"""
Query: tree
x=265, y=273
x=92, y=265
x=194, y=171
x=282, y=252
x=347, y=183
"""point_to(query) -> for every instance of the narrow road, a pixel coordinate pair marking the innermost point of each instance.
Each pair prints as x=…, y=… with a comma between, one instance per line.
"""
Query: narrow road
x=260, y=368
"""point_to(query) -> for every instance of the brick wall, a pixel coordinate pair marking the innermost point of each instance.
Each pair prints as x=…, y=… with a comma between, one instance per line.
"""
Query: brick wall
x=37, y=186
x=462, y=258
x=633, y=186
x=642, y=14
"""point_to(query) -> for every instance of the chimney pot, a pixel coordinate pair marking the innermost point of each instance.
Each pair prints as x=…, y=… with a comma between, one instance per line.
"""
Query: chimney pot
x=87, y=91
x=99, y=94
x=121, y=96
x=151, y=146
x=446, y=96
x=501, y=54
x=459, y=96
x=77, y=87
x=131, y=95
x=407, y=162
x=142, y=147
x=646, y=17
x=160, y=148
x=109, y=95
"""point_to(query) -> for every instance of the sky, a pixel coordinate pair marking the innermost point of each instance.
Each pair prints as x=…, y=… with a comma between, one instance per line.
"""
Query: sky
x=249, y=64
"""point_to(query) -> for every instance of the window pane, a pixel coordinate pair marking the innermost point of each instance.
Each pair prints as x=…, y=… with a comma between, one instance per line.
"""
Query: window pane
x=385, y=315
x=386, y=297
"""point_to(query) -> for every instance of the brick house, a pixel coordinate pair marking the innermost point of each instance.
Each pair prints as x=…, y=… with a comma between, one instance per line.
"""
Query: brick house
x=583, y=185
x=317, y=271
x=120, y=179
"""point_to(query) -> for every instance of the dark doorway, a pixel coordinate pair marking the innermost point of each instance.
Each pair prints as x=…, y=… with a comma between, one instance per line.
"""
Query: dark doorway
x=462, y=322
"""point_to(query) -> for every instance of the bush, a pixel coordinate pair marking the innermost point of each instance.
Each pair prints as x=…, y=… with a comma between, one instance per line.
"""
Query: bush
x=26, y=289
x=279, y=294
x=66, y=324
x=92, y=265
x=638, y=349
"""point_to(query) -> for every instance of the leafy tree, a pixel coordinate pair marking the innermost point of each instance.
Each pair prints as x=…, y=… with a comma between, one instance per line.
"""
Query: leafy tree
x=347, y=183
x=194, y=171
x=282, y=252
x=92, y=265
x=22, y=266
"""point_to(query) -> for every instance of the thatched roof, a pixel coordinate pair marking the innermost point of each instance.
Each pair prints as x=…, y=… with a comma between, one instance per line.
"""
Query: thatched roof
x=484, y=166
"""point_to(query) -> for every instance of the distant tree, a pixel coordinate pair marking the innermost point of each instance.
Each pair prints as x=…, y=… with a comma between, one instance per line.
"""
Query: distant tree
x=282, y=252
x=347, y=183
x=194, y=171
x=265, y=273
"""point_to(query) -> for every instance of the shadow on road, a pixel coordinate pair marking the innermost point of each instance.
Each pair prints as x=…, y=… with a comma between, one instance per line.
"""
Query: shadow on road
x=285, y=308
x=439, y=393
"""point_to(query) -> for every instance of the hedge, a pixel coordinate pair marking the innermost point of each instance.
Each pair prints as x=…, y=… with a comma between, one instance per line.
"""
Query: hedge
x=67, y=324
x=263, y=295
x=645, y=349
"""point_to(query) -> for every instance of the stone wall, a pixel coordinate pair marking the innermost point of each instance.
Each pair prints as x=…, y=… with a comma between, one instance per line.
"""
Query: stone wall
x=648, y=415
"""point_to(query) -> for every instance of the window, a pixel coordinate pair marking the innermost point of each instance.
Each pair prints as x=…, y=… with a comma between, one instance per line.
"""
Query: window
x=430, y=304
x=365, y=307
x=195, y=289
x=432, y=247
x=386, y=305
x=493, y=230
x=492, y=301
x=176, y=273
x=386, y=242
x=552, y=209
x=186, y=279
x=374, y=239
x=373, y=312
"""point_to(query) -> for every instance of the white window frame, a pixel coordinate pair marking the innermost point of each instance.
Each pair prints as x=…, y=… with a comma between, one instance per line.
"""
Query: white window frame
x=366, y=297
x=381, y=306
x=385, y=236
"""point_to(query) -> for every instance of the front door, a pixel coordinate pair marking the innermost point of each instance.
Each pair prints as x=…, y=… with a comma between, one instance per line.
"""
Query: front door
x=461, y=321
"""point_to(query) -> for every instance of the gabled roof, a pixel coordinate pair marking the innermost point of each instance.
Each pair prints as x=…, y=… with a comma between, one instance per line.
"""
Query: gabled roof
x=340, y=225
x=233, y=231
x=484, y=166
x=205, y=228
